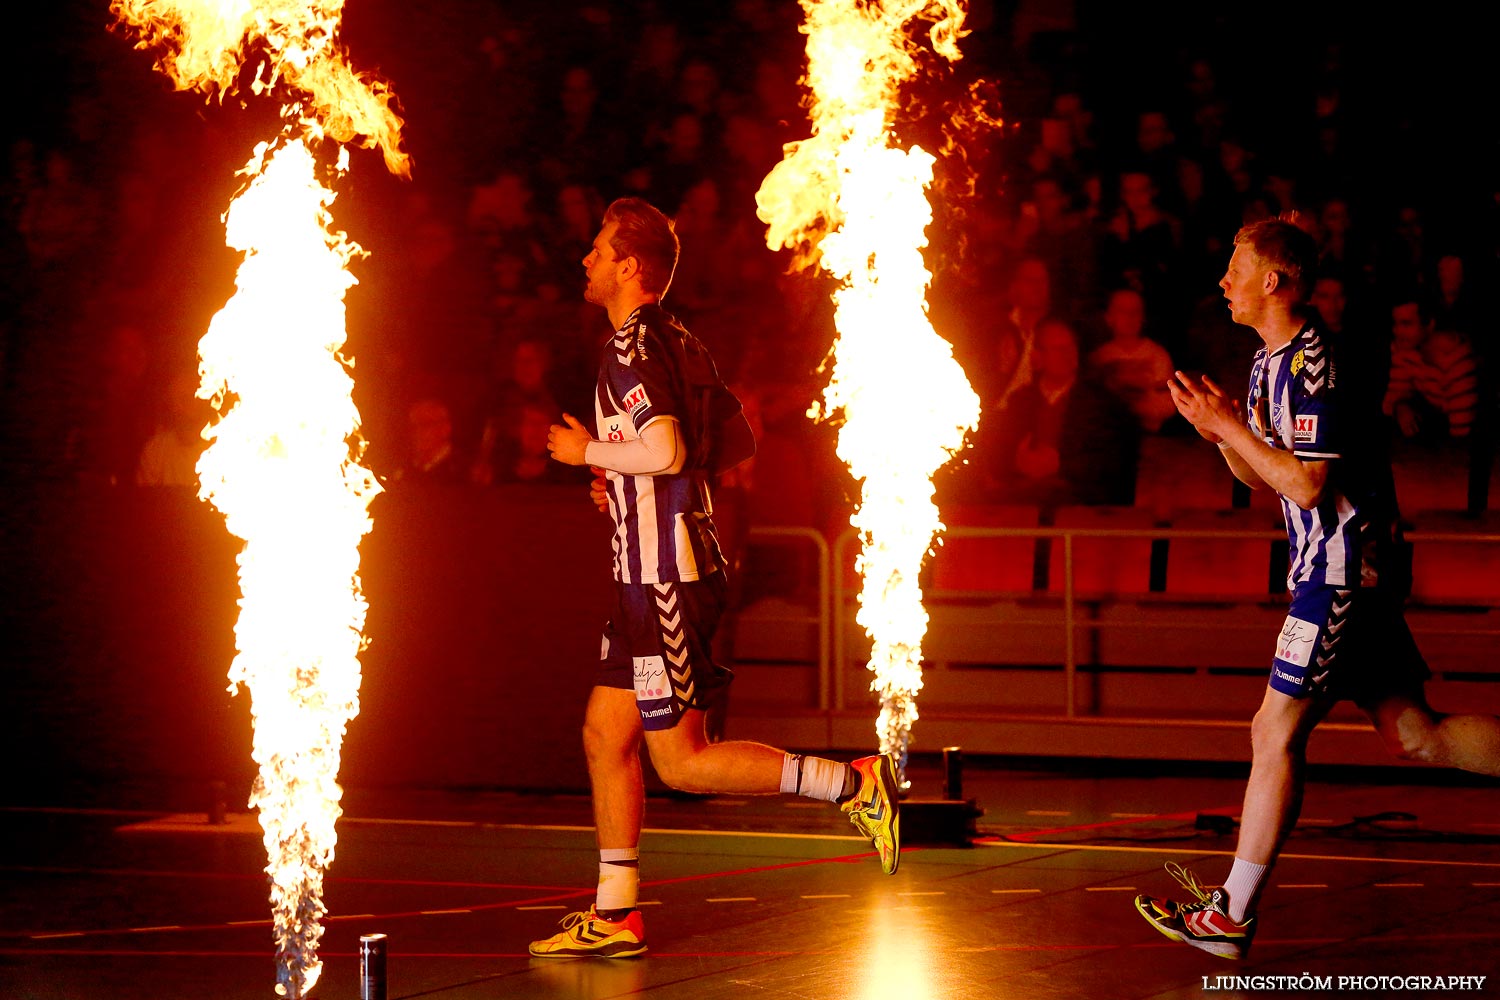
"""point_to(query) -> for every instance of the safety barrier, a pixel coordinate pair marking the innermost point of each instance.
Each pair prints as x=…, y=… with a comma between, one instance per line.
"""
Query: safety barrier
x=995, y=655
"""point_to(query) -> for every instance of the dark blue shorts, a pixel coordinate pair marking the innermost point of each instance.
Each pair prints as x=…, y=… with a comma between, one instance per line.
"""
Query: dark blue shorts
x=1352, y=644
x=659, y=641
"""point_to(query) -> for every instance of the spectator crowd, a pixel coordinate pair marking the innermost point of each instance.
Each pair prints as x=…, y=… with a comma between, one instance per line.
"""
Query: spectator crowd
x=1076, y=250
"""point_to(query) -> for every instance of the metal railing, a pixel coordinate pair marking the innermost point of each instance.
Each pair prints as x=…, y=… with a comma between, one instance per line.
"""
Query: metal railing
x=838, y=606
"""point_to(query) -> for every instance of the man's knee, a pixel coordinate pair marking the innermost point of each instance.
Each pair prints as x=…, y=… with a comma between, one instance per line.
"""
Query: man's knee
x=1274, y=733
x=672, y=755
x=609, y=735
x=1413, y=739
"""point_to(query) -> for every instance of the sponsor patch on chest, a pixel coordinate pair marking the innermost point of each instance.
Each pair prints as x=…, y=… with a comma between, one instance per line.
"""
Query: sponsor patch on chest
x=636, y=400
x=1305, y=428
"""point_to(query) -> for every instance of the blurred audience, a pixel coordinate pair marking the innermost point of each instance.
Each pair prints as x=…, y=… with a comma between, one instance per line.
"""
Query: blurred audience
x=1114, y=196
x=1131, y=365
x=170, y=456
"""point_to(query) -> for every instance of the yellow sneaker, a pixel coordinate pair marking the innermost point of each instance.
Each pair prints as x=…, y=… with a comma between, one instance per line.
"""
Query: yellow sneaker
x=585, y=934
x=875, y=810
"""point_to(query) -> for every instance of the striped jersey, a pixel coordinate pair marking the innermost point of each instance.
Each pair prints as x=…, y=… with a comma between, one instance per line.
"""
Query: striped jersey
x=663, y=529
x=1296, y=404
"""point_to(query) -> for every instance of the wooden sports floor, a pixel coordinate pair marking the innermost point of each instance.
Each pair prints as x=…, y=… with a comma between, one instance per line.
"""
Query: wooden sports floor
x=1395, y=874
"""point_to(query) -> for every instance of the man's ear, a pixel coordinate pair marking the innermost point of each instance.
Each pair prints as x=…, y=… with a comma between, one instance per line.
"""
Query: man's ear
x=1272, y=282
x=630, y=267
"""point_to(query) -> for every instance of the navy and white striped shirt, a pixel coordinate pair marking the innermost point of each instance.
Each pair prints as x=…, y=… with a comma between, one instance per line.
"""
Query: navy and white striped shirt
x=663, y=533
x=1296, y=404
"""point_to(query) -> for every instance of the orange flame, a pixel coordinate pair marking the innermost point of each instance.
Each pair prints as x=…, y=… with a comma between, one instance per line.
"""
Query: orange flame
x=283, y=466
x=854, y=202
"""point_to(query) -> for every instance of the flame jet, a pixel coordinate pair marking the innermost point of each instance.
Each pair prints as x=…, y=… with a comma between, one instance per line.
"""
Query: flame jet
x=851, y=201
x=283, y=466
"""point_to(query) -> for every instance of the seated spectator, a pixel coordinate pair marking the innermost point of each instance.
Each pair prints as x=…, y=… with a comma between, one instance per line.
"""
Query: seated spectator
x=1450, y=380
x=1131, y=365
x=1141, y=245
x=513, y=439
x=430, y=454
x=1051, y=228
x=1456, y=305
x=1028, y=301
x=1433, y=393
x=1061, y=438
x=170, y=456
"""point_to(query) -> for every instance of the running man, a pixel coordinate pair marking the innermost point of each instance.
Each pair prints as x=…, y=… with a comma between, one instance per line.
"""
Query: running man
x=1345, y=635
x=656, y=669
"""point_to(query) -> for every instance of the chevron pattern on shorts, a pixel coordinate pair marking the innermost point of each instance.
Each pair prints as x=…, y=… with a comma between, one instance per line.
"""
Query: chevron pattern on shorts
x=674, y=645
x=1333, y=634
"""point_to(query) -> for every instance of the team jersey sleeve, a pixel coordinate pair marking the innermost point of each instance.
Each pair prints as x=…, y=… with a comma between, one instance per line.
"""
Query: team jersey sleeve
x=640, y=376
x=1316, y=415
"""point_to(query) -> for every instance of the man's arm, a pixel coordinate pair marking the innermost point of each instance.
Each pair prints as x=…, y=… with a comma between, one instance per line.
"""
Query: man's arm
x=659, y=451
x=1300, y=481
x=1252, y=461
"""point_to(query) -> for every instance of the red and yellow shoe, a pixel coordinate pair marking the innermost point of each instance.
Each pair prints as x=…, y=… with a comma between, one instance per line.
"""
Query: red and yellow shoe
x=875, y=810
x=588, y=934
x=1203, y=923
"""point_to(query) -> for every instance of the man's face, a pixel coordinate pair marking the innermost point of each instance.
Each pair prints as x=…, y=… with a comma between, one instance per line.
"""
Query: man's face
x=1057, y=352
x=1328, y=296
x=601, y=269
x=1406, y=324
x=1244, y=285
x=1137, y=191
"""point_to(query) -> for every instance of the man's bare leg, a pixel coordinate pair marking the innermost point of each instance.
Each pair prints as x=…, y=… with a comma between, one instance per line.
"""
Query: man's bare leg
x=687, y=761
x=1413, y=731
x=612, y=744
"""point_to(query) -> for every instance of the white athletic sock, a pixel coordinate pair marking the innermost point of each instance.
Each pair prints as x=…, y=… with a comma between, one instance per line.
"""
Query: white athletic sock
x=1243, y=885
x=791, y=773
x=619, y=878
x=813, y=777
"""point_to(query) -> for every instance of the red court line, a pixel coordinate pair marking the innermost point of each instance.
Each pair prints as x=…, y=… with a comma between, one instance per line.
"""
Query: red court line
x=260, y=876
x=1129, y=821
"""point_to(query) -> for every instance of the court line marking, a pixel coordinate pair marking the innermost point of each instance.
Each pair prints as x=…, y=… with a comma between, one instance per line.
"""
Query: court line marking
x=1049, y=812
x=248, y=876
x=1007, y=892
x=731, y=899
x=1124, y=849
x=442, y=913
x=550, y=906
x=1109, y=888
x=1399, y=885
x=829, y=895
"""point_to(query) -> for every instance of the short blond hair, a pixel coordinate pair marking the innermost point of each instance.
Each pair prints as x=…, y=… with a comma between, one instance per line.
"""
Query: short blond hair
x=645, y=233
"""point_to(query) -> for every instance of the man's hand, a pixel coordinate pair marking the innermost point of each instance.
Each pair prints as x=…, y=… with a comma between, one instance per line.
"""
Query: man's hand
x=599, y=489
x=1204, y=405
x=1407, y=420
x=567, y=444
